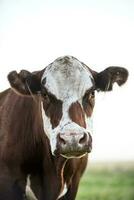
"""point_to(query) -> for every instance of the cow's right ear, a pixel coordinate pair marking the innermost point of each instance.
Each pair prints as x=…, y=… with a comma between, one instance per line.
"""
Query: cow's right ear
x=25, y=82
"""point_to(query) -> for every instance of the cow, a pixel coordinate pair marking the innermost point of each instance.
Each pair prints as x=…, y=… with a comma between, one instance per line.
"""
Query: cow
x=45, y=132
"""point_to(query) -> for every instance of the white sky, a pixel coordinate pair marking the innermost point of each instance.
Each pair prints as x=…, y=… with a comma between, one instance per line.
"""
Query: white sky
x=99, y=33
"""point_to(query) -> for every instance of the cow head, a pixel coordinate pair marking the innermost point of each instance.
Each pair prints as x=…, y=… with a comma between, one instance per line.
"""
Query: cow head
x=67, y=87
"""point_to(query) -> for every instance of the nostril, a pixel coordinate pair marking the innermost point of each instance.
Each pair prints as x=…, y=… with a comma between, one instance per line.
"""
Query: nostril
x=61, y=140
x=83, y=139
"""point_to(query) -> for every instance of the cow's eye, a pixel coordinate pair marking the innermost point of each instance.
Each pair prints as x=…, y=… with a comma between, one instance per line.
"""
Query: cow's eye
x=45, y=95
x=91, y=95
x=46, y=99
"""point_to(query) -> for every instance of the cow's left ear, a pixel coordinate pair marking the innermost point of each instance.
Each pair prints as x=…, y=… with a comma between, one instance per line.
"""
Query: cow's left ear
x=25, y=82
x=104, y=80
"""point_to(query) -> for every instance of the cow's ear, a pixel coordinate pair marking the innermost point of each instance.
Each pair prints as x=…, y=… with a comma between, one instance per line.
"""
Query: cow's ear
x=104, y=80
x=25, y=82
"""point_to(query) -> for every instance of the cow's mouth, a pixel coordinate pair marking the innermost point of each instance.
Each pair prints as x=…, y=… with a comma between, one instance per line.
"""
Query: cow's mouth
x=75, y=154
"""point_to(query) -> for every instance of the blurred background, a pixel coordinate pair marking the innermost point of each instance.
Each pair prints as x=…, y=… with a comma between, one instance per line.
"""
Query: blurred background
x=98, y=32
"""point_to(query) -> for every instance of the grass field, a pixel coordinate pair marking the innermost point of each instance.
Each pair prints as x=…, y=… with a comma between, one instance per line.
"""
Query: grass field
x=107, y=182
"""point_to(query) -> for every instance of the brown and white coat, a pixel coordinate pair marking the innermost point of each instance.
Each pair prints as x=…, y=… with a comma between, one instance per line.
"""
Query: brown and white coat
x=45, y=132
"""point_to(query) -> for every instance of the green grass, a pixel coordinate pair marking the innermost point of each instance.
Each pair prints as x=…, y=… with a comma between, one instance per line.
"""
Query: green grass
x=107, y=182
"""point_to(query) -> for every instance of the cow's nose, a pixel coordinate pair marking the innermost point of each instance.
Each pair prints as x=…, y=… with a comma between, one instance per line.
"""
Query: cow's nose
x=72, y=138
x=74, y=144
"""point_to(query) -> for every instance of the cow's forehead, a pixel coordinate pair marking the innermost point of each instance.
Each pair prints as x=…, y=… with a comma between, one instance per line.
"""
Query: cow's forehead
x=67, y=77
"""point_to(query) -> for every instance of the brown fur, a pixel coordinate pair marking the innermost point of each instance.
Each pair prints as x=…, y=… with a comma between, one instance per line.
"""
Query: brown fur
x=25, y=149
x=76, y=113
x=53, y=109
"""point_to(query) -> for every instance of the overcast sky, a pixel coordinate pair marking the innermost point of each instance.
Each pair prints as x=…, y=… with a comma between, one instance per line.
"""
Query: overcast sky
x=97, y=32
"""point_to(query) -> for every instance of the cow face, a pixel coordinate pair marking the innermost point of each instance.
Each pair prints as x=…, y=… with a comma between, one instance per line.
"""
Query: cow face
x=67, y=87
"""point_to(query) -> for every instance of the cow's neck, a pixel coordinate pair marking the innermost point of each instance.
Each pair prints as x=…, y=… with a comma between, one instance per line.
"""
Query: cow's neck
x=24, y=131
x=26, y=118
x=24, y=124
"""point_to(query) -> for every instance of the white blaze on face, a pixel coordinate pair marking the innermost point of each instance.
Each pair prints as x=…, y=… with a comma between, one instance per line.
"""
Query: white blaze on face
x=68, y=79
x=48, y=130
